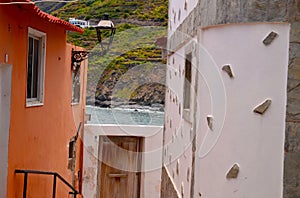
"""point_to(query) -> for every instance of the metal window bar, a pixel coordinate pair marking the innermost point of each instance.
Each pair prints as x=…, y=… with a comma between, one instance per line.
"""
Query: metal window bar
x=55, y=176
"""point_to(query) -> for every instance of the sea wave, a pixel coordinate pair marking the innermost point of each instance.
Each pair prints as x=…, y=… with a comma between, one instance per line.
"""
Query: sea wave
x=132, y=115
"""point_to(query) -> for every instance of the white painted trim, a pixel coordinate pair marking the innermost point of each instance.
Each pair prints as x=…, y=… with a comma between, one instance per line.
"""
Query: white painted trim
x=123, y=130
x=42, y=66
x=187, y=112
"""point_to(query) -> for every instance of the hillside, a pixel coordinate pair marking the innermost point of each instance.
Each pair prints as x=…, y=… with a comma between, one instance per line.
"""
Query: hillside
x=124, y=13
x=112, y=78
x=151, y=11
x=49, y=6
x=133, y=60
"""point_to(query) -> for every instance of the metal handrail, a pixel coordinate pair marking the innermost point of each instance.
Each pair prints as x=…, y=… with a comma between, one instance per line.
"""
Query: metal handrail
x=55, y=175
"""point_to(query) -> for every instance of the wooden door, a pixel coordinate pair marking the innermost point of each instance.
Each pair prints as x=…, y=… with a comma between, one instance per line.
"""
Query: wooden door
x=119, y=167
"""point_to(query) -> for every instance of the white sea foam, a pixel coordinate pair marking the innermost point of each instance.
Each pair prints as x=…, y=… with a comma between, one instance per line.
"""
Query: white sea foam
x=137, y=115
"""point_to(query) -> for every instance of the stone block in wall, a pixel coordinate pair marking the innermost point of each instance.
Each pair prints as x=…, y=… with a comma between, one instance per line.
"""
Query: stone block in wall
x=295, y=32
x=294, y=52
x=188, y=26
x=256, y=10
x=292, y=140
x=228, y=11
x=291, y=175
x=293, y=106
x=206, y=13
x=292, y=143
x=276, y=11
x=293, y=16
x=291, y=161
x=265, y=10
x=293, y=10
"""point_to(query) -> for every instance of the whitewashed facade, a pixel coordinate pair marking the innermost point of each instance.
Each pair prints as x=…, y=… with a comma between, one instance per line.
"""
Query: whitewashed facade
x=220, y=125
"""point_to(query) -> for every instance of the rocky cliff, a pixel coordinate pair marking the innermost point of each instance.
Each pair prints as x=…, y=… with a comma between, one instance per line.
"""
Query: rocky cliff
x=114, y=76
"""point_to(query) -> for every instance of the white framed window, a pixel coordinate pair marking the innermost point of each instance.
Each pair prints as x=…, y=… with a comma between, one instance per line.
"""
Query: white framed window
x=36, y=57
x=188, y=81
x=76, y=85
x=187, y=87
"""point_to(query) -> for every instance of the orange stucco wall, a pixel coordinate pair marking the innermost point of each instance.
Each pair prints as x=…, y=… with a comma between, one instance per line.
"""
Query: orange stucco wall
x=39, y=136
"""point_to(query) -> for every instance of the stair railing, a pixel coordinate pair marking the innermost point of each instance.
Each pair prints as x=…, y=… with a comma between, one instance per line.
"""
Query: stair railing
x=55, y=176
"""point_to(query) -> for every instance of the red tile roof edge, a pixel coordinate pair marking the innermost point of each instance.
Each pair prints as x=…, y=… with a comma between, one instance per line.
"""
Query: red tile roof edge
x=48, y=17
x=55, y=20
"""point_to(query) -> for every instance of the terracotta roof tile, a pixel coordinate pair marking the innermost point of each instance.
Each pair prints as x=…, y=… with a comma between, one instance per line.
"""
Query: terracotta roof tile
x=45, y=16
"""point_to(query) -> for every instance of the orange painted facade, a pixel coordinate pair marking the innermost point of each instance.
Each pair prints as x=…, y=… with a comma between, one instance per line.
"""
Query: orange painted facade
x=39, y=136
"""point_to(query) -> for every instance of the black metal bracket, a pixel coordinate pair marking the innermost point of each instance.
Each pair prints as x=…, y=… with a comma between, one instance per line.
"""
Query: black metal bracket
x=77, y=133
x=105, y=45
x=77, y=58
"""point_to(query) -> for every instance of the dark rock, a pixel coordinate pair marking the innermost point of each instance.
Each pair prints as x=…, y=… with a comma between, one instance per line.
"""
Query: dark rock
x=233, y=172
x=158, y=105
x=270, y=38
x=228, y=70
x=262, y=108
x=102, y=98
x=104, y=104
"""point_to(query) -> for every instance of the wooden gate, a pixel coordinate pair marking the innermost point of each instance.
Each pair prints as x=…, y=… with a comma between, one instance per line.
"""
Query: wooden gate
x=119, y=167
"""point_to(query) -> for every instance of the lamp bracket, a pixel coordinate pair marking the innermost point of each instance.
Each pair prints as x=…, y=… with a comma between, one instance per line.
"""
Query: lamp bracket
x=77, y=58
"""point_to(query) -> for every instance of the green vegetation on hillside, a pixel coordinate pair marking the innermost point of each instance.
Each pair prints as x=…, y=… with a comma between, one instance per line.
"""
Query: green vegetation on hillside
x=89, y=40
x=139, y=24
x=150, y=10
x=130, y=48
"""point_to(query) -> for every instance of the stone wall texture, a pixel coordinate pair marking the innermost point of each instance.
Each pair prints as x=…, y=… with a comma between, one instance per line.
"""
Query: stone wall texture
x=213, y=12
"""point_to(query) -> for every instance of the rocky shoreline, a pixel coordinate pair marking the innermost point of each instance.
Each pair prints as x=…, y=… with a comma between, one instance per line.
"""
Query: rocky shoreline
x=125, y=105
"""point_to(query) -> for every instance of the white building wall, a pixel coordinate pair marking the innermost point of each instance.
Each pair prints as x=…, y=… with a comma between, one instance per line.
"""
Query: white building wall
x=152, y=156
x=178, y=130
x=240, y=136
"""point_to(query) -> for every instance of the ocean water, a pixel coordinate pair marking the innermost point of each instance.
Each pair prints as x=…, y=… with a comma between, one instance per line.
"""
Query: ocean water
x=125, y=116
